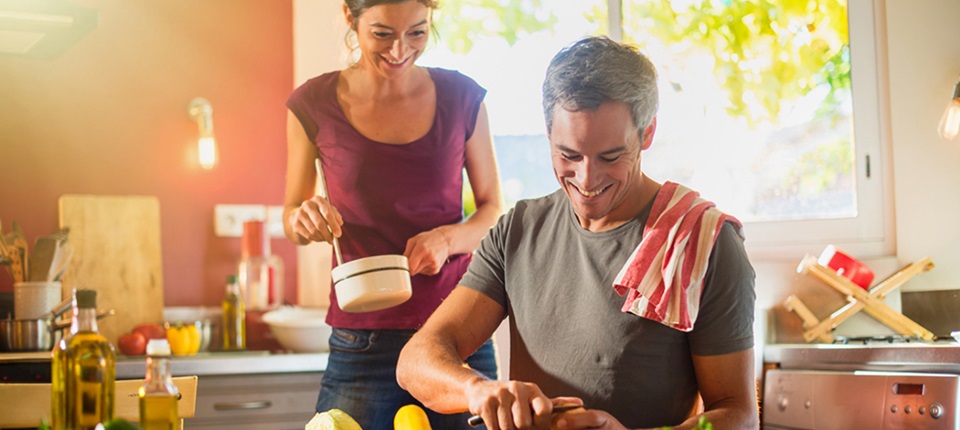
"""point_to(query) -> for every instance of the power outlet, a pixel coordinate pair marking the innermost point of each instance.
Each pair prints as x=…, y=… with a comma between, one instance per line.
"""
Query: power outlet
x=275, y=221
x=228, y=219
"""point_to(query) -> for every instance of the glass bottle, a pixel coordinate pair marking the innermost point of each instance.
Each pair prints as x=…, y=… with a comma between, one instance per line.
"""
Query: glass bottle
x=261, y=274
x=83, y=371
x=158, y=395
x=234, y=317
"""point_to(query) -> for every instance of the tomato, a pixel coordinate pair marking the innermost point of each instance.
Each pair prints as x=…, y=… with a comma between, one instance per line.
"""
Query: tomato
x=151, y=331
x=184, y=339
x=132, y=344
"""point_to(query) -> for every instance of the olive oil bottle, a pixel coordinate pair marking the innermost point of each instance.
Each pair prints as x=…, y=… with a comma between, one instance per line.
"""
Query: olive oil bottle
x=83, y=371
x=234, y=317
x=158, y=395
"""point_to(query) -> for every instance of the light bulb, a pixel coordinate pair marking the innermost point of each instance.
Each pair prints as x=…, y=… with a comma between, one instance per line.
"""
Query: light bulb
x=207, y=152
x=202, y=112
x=949, y=125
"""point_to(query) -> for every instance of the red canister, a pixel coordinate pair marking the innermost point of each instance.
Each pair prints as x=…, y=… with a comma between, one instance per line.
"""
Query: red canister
x=846, y=266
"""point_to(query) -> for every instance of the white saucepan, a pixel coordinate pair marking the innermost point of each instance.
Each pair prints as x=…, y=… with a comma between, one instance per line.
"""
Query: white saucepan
x=370, y=283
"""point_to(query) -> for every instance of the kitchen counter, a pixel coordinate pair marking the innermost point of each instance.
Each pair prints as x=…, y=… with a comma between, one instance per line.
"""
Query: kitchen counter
x=229, y=363
x=207, y=363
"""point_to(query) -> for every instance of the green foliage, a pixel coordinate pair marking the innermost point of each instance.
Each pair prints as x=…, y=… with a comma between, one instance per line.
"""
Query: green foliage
x=764, y=51
x=115, y=424
x=703, y=424
x=121, y=424
x=469, y=202
x=819, y=170
x=460, y=22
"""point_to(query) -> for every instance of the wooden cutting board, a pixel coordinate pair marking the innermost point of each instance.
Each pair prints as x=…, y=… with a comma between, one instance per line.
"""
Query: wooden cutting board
x=116, y=241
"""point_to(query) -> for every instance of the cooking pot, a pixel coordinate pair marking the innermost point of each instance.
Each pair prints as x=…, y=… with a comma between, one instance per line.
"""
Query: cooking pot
x=27, y=335
x=35, y=334
x=372, y=283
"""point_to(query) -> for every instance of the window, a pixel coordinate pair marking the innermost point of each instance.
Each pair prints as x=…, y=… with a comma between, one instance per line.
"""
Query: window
x=766, y=108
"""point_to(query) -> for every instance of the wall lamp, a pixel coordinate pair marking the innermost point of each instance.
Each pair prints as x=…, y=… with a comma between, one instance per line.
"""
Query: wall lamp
x=202, y=112
x=950, y=121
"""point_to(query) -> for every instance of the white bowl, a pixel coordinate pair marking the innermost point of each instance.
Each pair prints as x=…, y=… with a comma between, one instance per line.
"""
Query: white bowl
x=372, y=283
x=300, y=329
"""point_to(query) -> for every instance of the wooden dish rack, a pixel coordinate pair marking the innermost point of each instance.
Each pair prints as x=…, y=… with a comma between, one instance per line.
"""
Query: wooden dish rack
x=869, y=301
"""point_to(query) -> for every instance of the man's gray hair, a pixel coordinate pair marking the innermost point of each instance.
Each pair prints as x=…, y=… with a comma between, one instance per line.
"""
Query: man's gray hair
x=597, y=70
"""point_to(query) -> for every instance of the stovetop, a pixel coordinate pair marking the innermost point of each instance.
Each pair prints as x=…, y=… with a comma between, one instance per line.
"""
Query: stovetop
x=891, y=354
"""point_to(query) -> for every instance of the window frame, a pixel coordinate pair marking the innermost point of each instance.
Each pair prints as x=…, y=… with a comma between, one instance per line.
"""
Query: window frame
x=871, y=232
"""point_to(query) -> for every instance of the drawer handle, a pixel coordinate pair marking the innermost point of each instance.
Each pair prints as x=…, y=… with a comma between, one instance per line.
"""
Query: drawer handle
x=241, y=406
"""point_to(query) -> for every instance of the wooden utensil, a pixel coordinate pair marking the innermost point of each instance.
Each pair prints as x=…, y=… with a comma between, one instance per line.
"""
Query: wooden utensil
x=20, y=243
x=61, y=259
x=43, y=253
x=323, y=193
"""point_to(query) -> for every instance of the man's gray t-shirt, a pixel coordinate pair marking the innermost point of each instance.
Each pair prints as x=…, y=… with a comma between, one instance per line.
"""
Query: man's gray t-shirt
x=567, y=332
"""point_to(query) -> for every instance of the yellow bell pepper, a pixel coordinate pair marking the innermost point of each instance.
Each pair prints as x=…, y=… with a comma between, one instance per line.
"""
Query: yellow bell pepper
x=183, y=339
x=411, y=417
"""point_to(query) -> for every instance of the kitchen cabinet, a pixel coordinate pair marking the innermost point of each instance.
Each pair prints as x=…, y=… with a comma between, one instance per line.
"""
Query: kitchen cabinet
x=261, y=401
x=234, y=390
x=248, y=389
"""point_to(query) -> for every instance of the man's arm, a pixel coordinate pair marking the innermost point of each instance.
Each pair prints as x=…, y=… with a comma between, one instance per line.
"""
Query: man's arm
x=726, y=385
x=728, y=388
x=431, y=366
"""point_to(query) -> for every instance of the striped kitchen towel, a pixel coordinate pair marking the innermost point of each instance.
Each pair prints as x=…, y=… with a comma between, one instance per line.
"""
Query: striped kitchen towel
x=663, y=278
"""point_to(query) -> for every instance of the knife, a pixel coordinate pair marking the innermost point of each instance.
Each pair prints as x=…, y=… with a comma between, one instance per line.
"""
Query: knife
x=476, y=421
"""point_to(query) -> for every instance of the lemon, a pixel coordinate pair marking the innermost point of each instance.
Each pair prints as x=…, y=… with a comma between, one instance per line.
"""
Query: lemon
x=334, y=419
x=411, y=417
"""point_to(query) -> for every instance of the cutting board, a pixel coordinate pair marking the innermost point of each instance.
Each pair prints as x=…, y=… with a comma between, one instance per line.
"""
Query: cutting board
x=116, y=241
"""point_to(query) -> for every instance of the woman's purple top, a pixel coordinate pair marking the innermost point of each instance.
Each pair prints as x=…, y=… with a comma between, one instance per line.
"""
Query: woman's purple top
x=390, y=193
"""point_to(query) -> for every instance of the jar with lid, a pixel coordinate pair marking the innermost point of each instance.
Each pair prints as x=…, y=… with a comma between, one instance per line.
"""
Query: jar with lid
x=261, y=274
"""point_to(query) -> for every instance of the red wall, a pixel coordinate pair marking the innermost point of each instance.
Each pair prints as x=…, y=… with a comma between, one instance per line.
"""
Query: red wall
x=109, y=116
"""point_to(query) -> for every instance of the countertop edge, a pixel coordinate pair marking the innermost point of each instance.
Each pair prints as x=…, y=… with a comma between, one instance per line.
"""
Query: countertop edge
x=232, y=365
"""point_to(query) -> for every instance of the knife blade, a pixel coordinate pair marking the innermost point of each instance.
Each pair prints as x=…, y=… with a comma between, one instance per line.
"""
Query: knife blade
x=476, y=421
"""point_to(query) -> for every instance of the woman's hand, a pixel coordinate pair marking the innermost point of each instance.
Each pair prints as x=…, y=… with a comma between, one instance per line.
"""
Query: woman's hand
x=427, y=252
x=316, y=220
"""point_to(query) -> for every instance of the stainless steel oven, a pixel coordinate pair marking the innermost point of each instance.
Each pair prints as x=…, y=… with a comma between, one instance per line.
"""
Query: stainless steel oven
x=889, y=385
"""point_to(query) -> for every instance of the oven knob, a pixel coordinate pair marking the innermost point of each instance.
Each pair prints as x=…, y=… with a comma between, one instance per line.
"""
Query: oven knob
x=922, y=410
x=936, y=410
x=782, y=403
x=893, y=408
x=907, y=409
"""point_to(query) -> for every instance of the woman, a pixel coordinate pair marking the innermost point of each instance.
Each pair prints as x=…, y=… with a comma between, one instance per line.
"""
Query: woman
x=393, y=138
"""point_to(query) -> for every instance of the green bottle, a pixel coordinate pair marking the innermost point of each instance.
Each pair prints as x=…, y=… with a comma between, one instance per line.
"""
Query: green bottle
x=234, y=317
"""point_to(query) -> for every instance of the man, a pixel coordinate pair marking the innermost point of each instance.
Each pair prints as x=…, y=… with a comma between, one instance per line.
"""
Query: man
x=551, y=265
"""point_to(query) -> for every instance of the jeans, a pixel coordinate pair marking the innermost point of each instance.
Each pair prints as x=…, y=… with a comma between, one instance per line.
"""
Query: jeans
x=361, y=378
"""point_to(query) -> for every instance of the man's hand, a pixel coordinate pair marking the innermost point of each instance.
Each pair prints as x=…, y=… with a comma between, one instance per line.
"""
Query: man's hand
x=586, y=419
x=513, y=404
